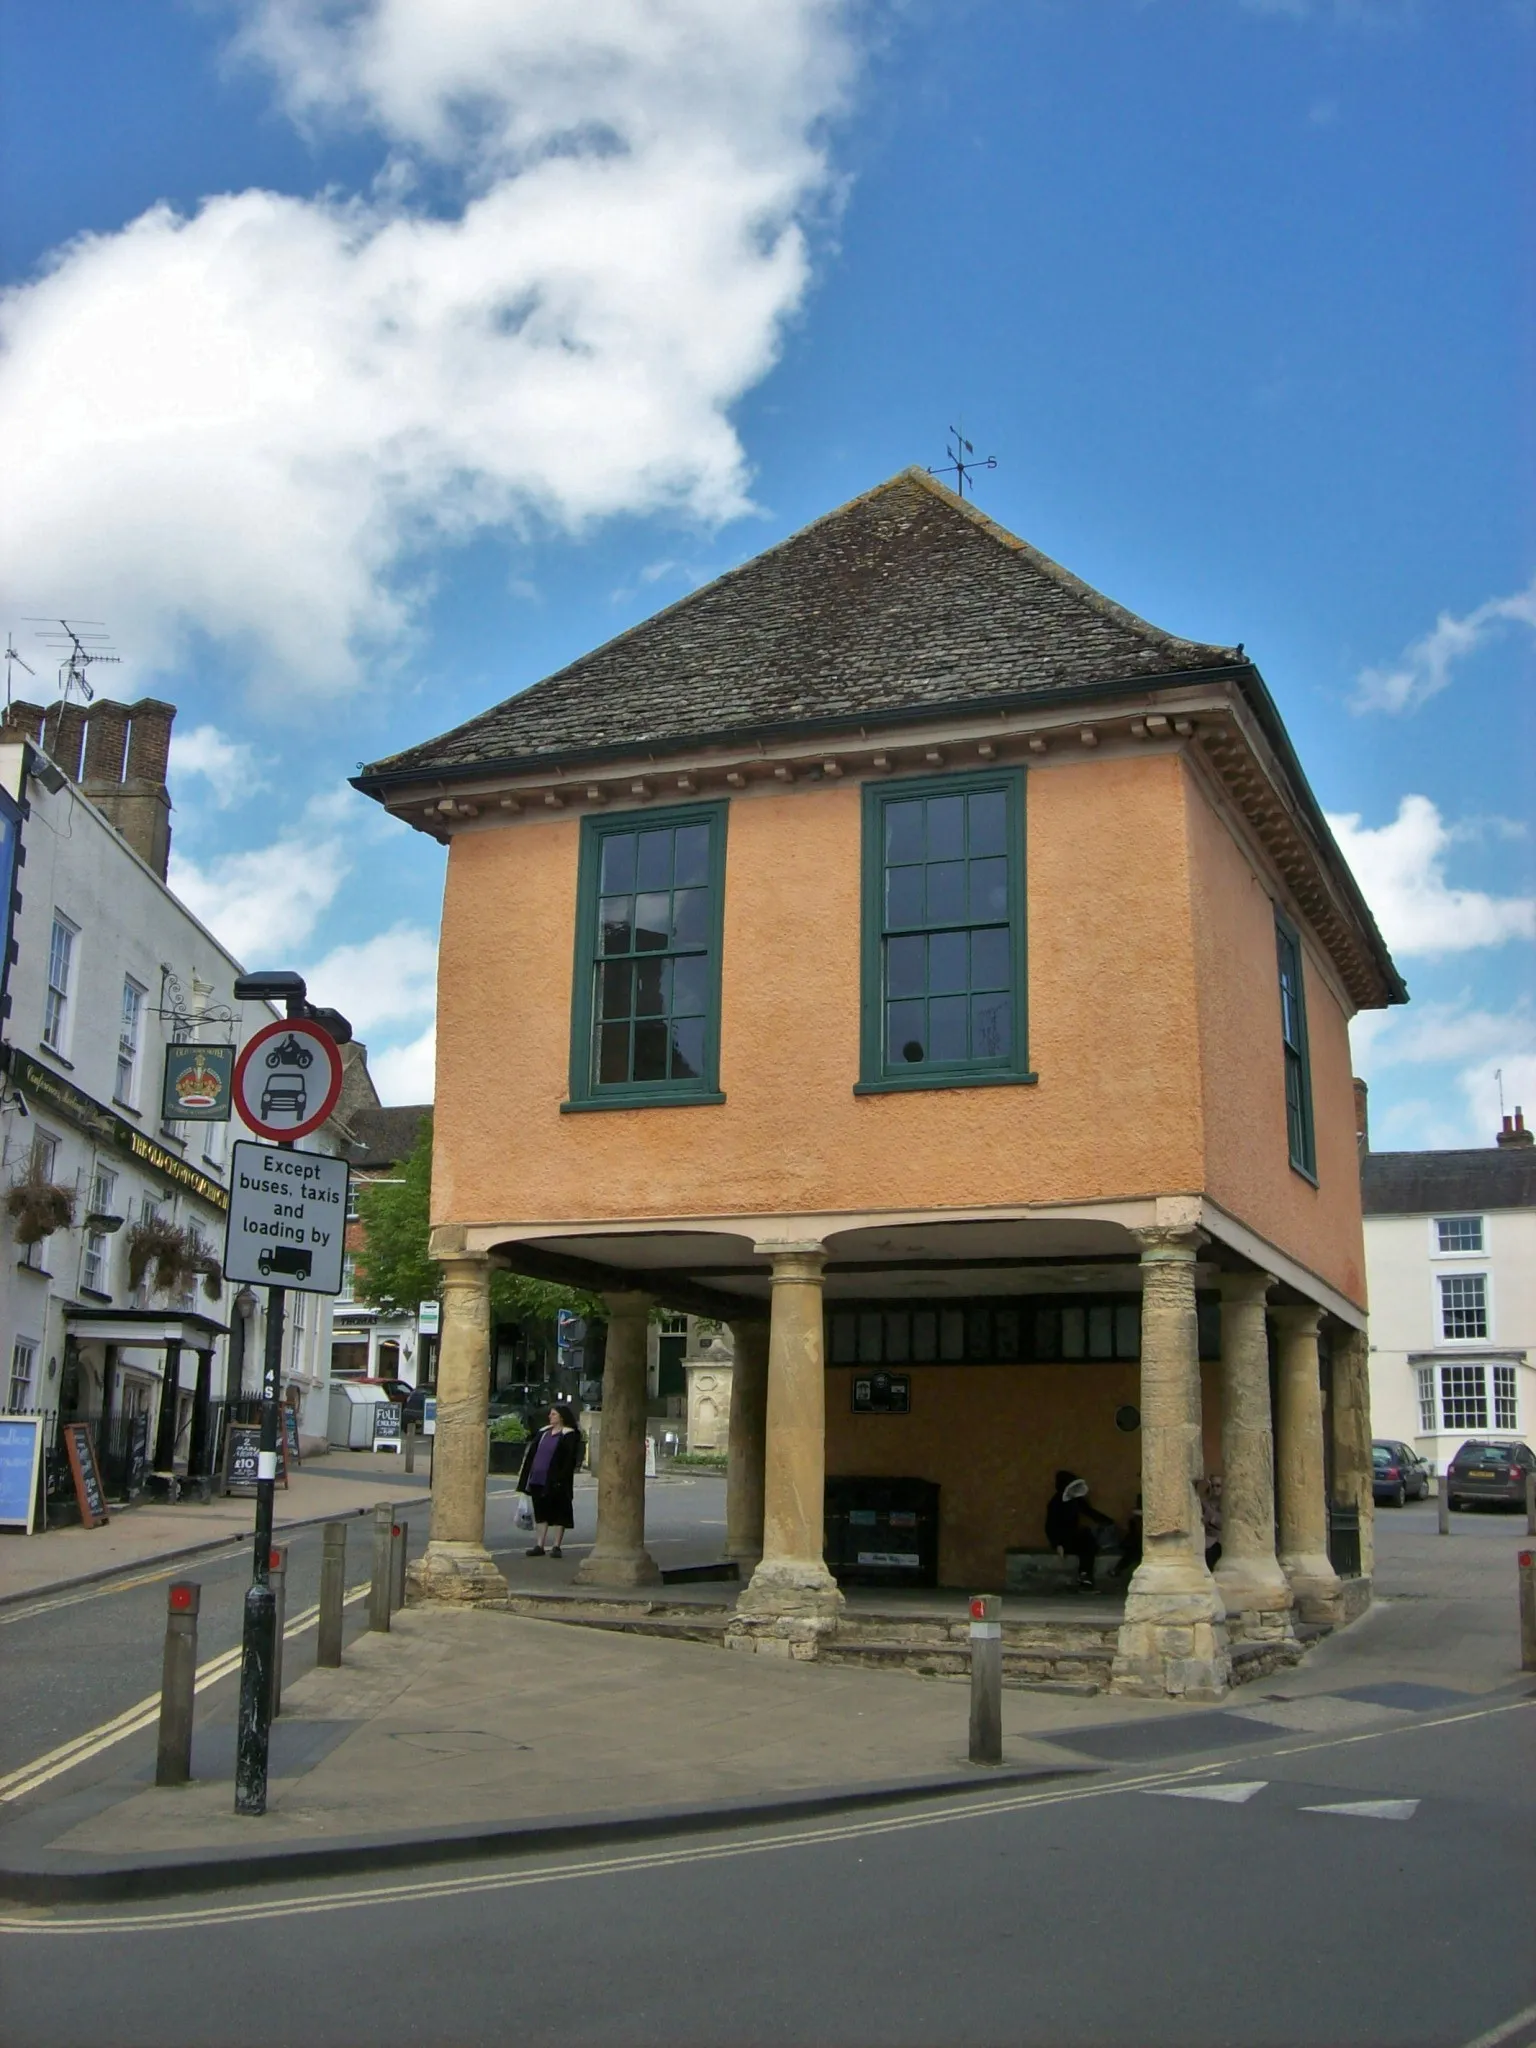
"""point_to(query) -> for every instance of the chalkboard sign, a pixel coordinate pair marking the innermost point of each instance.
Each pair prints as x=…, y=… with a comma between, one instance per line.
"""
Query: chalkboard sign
x=242, y=1451
x=138, y=1454
x=21, y=1453
x=290, y=1436
x=86, y=1473
x=386, y=1425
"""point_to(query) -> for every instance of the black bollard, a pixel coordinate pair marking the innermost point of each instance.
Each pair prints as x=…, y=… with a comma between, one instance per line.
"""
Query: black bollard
x=333, y=1587
x=255, y=1725
x=178, y=1684
x=986, y=1680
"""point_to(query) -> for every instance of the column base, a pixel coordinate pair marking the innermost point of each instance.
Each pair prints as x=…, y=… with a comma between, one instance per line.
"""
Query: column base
x=1258, y=1601
x=746, y=1561
x=1316, y=1588
x=791, y=1591
x=454, y=1574
x=1173, y=1641
x=617, y=1568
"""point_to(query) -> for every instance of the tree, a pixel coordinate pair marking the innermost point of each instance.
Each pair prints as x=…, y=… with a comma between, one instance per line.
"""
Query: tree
x=396, y=1270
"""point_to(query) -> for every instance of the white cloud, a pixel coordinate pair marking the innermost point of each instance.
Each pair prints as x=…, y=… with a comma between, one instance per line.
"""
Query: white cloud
x=227, y=766
x=1477, y=1051
x=381, y=982
x=257, y=421
x=407, y=1073
x=264, y=903
x=1401, y=868
x=1425, y=669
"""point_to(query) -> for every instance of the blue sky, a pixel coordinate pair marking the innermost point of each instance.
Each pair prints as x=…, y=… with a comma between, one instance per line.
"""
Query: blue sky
x=363, y=363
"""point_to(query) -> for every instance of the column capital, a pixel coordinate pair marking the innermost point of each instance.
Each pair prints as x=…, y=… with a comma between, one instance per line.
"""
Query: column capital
x=465, y=1268
x=1302, y=1321
x=794, y=1258
x=629, y=1301
x=1160, y=1241
x=1245, y=1286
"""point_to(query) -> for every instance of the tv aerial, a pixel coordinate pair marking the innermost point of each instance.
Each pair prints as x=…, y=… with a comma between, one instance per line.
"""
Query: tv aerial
x=963, y=462
x=13, y=661
x=79, y=647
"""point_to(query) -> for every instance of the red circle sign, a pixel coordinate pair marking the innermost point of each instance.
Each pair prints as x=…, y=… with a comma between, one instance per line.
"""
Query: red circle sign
x=287, y=1079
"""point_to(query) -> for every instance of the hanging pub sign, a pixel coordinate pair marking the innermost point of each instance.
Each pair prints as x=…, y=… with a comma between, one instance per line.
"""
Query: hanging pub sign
x=198, y=1084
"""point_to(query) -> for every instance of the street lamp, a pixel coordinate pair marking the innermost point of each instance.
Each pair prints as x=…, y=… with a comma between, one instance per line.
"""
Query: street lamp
x=282, y=985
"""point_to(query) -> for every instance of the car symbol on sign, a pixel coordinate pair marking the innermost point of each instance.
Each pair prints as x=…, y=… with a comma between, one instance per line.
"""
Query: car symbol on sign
x=284, y=1095
x=286, y=1258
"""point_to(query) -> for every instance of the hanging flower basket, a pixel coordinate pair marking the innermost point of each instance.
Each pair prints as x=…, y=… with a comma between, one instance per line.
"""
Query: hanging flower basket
x=38, y=1207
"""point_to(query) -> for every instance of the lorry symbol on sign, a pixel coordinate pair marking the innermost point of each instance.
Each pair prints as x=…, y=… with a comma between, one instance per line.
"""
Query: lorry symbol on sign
x=286, y=1258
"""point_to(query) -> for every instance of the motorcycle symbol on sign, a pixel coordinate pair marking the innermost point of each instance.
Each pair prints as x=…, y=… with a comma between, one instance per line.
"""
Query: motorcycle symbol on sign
x=289, y=1052
x=284, y=1093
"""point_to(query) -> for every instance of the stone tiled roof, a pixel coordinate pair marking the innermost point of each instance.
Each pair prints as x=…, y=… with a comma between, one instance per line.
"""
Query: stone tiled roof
x=905, y=601
x=383, y=1137
x=1447, y=1183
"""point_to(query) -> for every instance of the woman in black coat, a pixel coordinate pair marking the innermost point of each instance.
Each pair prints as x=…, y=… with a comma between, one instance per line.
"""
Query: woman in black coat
x=1071, y=1525
x=548, y=1477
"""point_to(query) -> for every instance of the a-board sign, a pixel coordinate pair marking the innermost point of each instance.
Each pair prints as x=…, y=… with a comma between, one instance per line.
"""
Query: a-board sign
x=386, y=1425
x=242, y=1457
x=288, y=1079
x=138, y=1454
x=287, y=1219
x=90, y=1494
x=291, y=1433
x=199, y=1084
x=21, y=1455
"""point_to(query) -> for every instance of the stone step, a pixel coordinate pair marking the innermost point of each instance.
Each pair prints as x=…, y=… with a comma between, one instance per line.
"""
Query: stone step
x=1081, y=1668
x=936, y=1630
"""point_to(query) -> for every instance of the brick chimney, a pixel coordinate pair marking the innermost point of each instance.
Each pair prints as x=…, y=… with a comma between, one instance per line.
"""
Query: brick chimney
x=127, y=747
x=1514, y=1131
x=1362, y=1117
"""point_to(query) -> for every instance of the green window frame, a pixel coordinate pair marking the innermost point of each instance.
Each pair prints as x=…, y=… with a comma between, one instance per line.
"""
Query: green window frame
x=1299, y=1130
x=645, y=1008
x=943, y=933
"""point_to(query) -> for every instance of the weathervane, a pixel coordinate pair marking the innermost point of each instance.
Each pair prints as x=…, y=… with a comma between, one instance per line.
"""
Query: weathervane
x=960, y=463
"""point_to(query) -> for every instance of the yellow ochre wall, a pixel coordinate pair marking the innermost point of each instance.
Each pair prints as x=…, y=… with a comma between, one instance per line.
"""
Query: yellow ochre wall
x=993, y=1436
x=1129, y=955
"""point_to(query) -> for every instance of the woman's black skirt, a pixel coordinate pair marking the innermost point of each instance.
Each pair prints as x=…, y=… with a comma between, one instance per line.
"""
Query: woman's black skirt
x=554, y=1505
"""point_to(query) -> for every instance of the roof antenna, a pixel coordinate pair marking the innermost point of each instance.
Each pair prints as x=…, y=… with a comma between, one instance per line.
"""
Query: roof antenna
x=1498, y=1075
x=12, y=660
x=79, y=651
x=961, y=462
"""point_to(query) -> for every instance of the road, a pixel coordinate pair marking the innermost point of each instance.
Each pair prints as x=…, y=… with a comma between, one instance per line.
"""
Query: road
x=71, y=1663
x=1118, y=1911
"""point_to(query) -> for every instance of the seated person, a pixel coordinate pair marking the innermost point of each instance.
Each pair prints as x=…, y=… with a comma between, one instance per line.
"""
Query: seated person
x=1071, y=1523
x=1130, y=1549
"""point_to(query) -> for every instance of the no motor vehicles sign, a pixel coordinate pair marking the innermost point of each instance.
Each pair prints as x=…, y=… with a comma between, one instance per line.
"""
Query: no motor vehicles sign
x=287, y=1219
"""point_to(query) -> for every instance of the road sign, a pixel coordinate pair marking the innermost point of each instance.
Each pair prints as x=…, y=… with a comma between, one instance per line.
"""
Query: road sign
x=287, y=1219
x=287, y=1079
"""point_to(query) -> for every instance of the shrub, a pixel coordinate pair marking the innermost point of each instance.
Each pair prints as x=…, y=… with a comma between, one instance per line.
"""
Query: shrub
x=509, y=1429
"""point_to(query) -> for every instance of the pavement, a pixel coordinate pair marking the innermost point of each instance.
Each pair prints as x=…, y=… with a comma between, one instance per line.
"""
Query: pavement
x=340, y=1483
x=478, y=1732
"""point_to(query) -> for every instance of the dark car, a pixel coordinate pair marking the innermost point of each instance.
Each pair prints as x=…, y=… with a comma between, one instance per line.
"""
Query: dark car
x=1493, y=1472
x=414, y=1414
x=1398, y=1473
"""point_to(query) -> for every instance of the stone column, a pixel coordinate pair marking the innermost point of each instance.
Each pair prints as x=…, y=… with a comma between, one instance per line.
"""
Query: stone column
x=1173, y=1641
x=1303, y=1498
x=165, y=1429
x=792, y=1595
x=1352, y=1473
x=1253, y=1588
x=619, y=1556
x=456, y=1566
x=749, y=1424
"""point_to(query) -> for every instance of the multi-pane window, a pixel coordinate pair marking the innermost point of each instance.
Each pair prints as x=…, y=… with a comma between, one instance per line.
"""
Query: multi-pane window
x=1293, y=1039
x=129, y=1027
x=23, y=1372
x=1463, y=1305
x=647, y=1016
x=93, y=1262
x=1459, y=1233
x=61, y=963
x=1463, y=1397
x=1505, y=1403
x=943, y=935
x=1428, y=1423
x=103, y=1191
x=348, y=1278
x=1026, y=1332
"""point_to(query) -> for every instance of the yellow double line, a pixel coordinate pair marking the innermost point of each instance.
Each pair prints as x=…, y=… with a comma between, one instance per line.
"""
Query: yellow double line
x=27, y=1779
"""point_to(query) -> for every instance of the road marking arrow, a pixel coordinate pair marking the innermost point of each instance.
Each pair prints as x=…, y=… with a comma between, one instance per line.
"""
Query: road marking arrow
x=1372, y=1809
x=1229, y=1795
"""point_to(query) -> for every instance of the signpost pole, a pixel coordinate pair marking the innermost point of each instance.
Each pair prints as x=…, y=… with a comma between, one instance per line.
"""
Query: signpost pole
x=260, y=1636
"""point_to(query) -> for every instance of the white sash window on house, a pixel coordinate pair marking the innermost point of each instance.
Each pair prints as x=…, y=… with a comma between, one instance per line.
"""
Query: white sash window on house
x=61, y=967
x=1459, y=1233
x=1469, y=1397
x=1463, y=1306
x=23, y=1374
x=125, y=1087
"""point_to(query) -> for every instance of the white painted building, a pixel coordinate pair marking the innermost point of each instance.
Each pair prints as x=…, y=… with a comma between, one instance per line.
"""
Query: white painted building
x=1450, y=1249
x=107, y=967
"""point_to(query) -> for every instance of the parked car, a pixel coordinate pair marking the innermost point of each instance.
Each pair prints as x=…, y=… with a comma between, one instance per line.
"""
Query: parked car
x=1398, y=1474
x=1493, y=1472
x=413, y=1415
